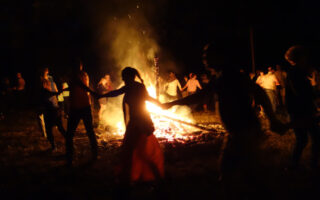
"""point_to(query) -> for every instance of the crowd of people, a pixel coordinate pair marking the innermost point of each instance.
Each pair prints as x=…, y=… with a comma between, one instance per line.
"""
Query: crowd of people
x=239, y=94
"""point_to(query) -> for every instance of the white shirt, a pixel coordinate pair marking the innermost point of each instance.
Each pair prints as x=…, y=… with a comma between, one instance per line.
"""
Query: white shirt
x=269, y=81
x=192, y=85
x=172, y=87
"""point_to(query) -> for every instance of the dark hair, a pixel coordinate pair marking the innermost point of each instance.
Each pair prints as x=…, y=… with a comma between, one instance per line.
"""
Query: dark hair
x=223, y=55
x=295, y=53
x=130, y=73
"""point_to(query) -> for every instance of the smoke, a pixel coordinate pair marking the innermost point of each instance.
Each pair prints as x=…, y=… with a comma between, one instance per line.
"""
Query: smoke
x=128, y=41
x=126, y=38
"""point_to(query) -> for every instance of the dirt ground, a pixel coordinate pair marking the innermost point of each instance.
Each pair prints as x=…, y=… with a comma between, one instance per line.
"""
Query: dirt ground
x=28, y=170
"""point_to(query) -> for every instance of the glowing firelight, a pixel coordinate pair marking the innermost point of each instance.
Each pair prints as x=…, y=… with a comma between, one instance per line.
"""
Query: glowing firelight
x=165, y=127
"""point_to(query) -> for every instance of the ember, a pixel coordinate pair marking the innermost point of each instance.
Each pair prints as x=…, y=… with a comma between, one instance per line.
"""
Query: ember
x=174, y=125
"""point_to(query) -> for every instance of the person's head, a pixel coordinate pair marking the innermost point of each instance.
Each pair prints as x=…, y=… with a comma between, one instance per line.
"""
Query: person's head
x=278, y=67
x=129, y=74
x=224, y=54
x=107, y=77
x=19, y=75
x=270, y=69
x=261, y=73
x=192, y=76
x=172, y=75
x=185, y=78
x=45, y=72
x=298, y=56
x=204, y=76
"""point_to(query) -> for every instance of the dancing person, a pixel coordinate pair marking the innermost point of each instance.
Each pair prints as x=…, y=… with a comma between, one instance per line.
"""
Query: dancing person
x=236, y=92
x=141, y=155
x=300, y=102
x=209, y=98
x=269, y=83
x=192, y=84
x=172, y=87
x=104, y=86
x=21, y=83
x=51, y=113
x=19, y=91
x=80, y=108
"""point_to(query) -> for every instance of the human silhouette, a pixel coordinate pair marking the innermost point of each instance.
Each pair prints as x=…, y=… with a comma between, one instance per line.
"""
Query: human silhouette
x=236, y=93
x=80, y=108
x=141, y=155
x=51, y=112
x=300, y=102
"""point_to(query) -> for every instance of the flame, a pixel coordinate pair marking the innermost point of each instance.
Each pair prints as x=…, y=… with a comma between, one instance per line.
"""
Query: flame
x=131, y=42
x=165, y=127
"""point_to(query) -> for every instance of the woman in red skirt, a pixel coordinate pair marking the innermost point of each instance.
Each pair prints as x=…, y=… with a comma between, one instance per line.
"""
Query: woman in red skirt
x=141, y=155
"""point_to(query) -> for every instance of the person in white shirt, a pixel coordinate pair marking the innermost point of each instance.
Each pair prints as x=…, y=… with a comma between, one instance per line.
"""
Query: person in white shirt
x=172, y=86
x=192, y=84
x=269, y=83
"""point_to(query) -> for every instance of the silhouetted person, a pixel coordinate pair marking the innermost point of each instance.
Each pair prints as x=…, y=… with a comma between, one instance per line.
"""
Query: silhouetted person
x=52, y=115
x=236, y=93
x=141, y=155
x=300, y=101
x=209, y=98
x=80, y=108
x=104, y=86
x=20, y=91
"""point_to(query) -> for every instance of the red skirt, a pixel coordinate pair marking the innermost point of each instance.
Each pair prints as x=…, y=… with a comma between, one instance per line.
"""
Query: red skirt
x=141, y=158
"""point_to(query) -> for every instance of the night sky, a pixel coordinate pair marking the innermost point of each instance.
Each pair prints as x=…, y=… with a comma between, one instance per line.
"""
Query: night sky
x=37, y=33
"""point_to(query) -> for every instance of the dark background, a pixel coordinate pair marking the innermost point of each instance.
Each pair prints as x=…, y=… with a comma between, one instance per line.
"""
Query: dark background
x=37, y=33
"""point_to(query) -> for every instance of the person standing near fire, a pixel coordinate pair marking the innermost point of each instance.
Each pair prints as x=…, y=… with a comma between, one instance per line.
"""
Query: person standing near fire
x=172, y=87
x=301, y=106
x=192, y=84
x=104, y=86
x=141, y=155
x=51, y=113
x=19, y=90
x=240, y=152
x=269, y=83
x=80, y=108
